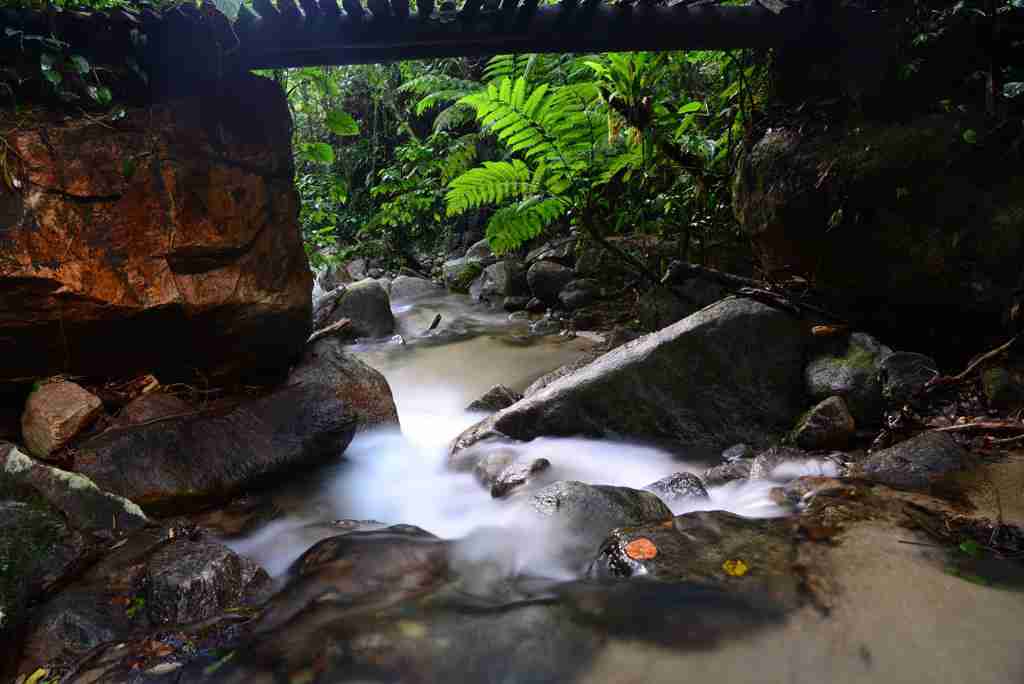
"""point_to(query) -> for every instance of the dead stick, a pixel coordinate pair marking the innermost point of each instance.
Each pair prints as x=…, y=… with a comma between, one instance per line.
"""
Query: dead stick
x=974, y=364
x=983, y=425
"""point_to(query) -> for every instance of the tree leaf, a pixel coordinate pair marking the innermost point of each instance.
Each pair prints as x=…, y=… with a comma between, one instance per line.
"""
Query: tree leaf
x=318, y=152
x=970, y=136
x=1013, y=88
x=690, y=107
x=81, y=64
x=229, y=8
x=341, y=123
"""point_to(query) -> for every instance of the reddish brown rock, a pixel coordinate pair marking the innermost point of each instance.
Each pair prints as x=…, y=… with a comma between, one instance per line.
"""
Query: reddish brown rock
x=165, y=241
x=55, y=413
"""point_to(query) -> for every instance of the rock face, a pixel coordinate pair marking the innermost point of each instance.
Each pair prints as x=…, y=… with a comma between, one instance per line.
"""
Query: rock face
x=55, y=413
x=546, y=280
x=365, y=303
x=495, y=399
x=891, y=228
x=360, y=388
x=184, y=461
x=828, y=425
x=849, y=368
x=85, y=505
x=729, y=373
x=409, y=287
x=178, y=221
x=920, y=463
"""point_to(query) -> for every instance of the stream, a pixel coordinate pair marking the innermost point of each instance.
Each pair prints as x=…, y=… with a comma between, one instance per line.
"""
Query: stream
x=897, y=615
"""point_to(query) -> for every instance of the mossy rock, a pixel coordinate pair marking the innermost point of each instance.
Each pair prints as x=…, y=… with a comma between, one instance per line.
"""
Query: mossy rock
x=465, y=277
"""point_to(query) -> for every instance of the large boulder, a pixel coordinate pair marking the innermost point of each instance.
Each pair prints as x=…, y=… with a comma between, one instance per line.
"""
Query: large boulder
x=362, y=389
x=849, y=367
x=547, y=279
x=925, y=462
x=55, y=413
x=827, y=425
x=902, y=222
x=191, y=460
x=562, y=250
x=365, y=304
x=730, y=373
x=578, y=293
x=502, y=279
x=176, y=222
x=411, y=287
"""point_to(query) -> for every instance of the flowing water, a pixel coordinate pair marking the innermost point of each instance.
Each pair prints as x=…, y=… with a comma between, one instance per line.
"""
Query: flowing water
x=896, y=616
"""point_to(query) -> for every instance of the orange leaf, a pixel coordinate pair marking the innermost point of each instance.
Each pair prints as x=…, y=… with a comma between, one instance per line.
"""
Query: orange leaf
x=641, y=549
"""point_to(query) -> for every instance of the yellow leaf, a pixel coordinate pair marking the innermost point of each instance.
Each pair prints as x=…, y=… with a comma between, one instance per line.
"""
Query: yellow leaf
x=735, y=568
x=37, y=676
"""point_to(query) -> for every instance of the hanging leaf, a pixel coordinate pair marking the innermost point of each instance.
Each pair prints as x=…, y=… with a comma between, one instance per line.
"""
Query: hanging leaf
x=318, y=152
x=1013, y=89
x=970, y=136
x=229, y=8
x=100, y=94
x=52, y=76
x=342, y=123
x=81, y=64
x=691, y=107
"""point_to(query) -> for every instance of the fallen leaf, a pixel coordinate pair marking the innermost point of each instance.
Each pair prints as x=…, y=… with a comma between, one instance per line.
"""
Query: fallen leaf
x=641, y=549
x=828, y=330
x=735, y=568
x=37, y=676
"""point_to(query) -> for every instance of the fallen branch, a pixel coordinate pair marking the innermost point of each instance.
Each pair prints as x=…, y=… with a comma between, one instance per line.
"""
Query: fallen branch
x=983, y=425
x=1008, y=440
x=947, y=380
x=329, y=330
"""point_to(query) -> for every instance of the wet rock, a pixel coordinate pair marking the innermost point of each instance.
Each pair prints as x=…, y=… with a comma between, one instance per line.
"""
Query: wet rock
x=365, y=303
x=515, y=303
x=547, y=279
x=495, y=399
x=579, y=293
x=502, y=470
x=84, y=505
x=362, y=389
x=459, y=274
x=183, y=462
x=375, y=273
x=190, y=581
x=481, y=253
x=783, y=463
x=37, y=551
x=1003, y=387
x=848, y=367
x=678, y=488
x=502, y=279
x=356, y=269
x=904, y=375
x=561, y=250
x=92, y=281
x=55, y=413
x=408, y=287
x=535, y=305
x=738, y=452
x=728, y=472
x=519, y=316
x=151, y=406
x=732, y=372
x=696, y=547
x=920, y=463
x=828, y=425
x=659, y=307
x=546, y=326
x=590, y=512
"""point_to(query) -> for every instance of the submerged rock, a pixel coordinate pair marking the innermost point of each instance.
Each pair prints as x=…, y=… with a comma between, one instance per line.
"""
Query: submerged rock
x=55, y=413
x=848, y=367
x=727, y=472
x=783, y=463
x=828, y=425
x=714, y=548
x=732, y=372
x=921, y=463
x=495, y=399
x=679, y=487
x=503, y=470
x=362, y=389
x=181, y=462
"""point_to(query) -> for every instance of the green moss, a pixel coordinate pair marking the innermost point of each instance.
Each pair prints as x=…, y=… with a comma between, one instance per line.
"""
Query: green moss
x=466, y=276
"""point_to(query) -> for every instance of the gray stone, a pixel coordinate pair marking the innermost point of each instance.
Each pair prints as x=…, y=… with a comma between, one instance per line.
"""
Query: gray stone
x=480, y=252
x=459, y=274
x=408, y=287
x=679, y=487
x=765, y=463
x=55, y=413
x=729, y=373
x=828, y=425
x=84, y=504
x=545, y=326
x=560, y=372
x=502, y=470
x=547, y=279
x=190, y=581
x=502, y=279
x=562, y=250
x=362, y=388
x=904, y=375
x=590, y=512
x=849, y=367
x=355, y=269
x=365, y=303
x=579, y=293
x=495, y=399
x=919, y=463
x=737, y=452
x=727, y=472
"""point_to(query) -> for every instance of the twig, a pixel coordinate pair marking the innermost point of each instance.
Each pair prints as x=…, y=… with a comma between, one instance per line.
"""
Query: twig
x=983, y=425
x=329, y=330
x=974, y=364
x=1008, y=440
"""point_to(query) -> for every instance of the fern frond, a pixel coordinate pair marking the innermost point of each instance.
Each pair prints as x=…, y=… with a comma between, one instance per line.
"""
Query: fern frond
x=461, y=157
x=518, y=223
x=505, y=66
x=452, y=117
x=491, y=183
